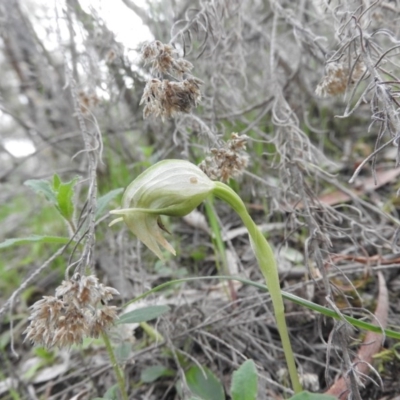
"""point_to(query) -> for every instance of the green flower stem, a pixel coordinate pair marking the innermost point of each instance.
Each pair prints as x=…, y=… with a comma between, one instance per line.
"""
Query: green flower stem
x=151, y=332
x=220, y=247
x=117, y=369
x=266, y=261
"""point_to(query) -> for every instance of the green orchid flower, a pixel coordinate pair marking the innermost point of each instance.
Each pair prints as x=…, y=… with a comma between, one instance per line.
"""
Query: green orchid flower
x=170, y=187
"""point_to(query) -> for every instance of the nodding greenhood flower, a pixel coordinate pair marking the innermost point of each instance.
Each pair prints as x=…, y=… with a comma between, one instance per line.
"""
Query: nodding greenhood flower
x=175, y=188
x=170, y=187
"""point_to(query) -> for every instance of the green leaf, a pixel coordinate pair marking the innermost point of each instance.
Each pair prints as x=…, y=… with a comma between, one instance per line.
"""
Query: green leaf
x=44, y=354
x=312, y=396
x=143, y=314
x=204, y=384
x=58, y=193
x=34, y=239
x=245, y=382
x=151, y=374
x=64, y=194
x=44, y=187
x=104, y=200
x=112, y=393
x=56, y=182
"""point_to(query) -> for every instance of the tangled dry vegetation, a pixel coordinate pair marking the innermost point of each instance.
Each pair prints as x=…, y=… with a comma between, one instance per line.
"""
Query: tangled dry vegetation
x=295, y=102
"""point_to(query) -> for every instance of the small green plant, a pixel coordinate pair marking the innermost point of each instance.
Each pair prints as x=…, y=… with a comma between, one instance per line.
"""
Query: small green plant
x=387, y=356
x=245, y=382
x=204, y=385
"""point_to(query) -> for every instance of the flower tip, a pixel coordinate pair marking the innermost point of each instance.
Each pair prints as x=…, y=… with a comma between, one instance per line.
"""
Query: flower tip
x=115, y=221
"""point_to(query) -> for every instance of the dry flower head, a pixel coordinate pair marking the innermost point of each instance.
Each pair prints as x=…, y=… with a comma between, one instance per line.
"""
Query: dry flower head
x=165, y=60
x=87, y=102
x=79, y=309
x=227, y=161
x=338, y=77
x=165, y=97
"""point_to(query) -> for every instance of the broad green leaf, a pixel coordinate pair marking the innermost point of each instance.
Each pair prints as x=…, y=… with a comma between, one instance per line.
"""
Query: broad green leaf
x=204, y=384
x=104, y=200
x=245, y=382
x=44, y=187
x=143, y=314
x=58, y=193
x=312, y=396
x=112, y=393
x=64, y=194
x=151, y=374
x=34, y=239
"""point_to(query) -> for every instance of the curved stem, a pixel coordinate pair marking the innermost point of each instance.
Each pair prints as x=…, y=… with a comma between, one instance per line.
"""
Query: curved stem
x=266, y=262
x=153, y=333
x=117, y=369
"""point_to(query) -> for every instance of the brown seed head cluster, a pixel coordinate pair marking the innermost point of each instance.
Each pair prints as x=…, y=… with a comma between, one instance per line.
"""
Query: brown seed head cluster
x=87, y=102
x=165, y=97
x=79, y=309
x=227, y=161
x=337, y=78
x=165, y=60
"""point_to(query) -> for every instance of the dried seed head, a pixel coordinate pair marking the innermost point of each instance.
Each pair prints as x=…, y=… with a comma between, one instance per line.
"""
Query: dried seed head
x=337, y=78
x=87, y=102
x=165, y=98
x=165, y=60
x=70, y=329
x=102, y=320
x=76, y=311
x=227, y=161
x=45, y=315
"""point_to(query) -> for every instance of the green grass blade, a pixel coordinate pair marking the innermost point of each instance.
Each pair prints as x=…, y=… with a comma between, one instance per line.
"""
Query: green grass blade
x=288, y=296
x=34, y=239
